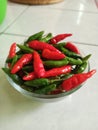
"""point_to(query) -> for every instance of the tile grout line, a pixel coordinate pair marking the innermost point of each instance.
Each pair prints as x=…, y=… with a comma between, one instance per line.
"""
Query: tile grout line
x=21, y=35
x=83, y=43
x=14, y=20
x=74, y=10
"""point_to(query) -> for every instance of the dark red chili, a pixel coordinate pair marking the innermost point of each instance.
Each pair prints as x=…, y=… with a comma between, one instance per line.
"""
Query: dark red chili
x=12, y=51
x=38, y=65
x=76, y=80
x=59, y=37
x=56, y=91
x=38, y=45
x=25, y=59
x=72, y=47
x=30, y=76
x=58, y=71
x=52, y=55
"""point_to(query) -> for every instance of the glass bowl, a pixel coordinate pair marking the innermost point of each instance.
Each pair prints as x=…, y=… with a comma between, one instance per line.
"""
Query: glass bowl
x=44, y=98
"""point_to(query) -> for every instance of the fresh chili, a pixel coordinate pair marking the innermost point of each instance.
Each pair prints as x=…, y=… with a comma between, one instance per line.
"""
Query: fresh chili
x=72, y=47
x=52, y=55
x=39, y=69
x=58, y=71
x=59, y=37
x=12, y=51
x=76, y=80
x=25, y=59
x=38, y=45
x=36, y=36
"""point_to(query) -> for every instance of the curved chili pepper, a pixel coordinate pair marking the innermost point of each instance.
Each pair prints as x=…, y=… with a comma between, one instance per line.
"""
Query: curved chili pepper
x=56, y=63
x=38, y=65
x=80, y=68
x=59, y=37
x=12, y=51
x=58, y=71
x=14, y=60
x=50, y=73
x=46, y=89
x=38, y=82
x=70, y=46
x=25, y=49
x=74, y=61
x=25, y=59
x=69, y=53
x=76, y=80
x=38, y=45
x=14, y=77
x=52, y=55
x=30, y=76
x=46, y=38
x=36, y=36
x=84, y=59
x=28, y=68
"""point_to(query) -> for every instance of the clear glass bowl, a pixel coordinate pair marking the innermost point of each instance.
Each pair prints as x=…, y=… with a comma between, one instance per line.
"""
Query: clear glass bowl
x=44, y=98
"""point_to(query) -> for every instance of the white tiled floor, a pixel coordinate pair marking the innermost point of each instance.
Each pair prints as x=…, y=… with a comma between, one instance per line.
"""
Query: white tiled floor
x=77, y=5
x=78, y=111
x=13, y=12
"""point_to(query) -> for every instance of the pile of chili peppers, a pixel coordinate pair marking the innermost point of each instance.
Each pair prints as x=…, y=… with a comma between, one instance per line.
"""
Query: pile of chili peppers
x=45, y=65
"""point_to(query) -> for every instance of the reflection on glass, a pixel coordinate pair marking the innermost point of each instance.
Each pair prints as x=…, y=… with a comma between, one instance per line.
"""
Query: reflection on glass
x=80, y=13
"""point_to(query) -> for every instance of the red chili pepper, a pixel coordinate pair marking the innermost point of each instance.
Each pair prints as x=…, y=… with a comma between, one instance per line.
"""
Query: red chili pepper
x=38, y=45
x=30, y=76
x=76, y=80
x=25, y=59
x=56, y=91
x=58, y=71
x=59, y=37
x=72, y=47
x=12, y=51
x=21, y=73
x=52, y=55
x=38, y=65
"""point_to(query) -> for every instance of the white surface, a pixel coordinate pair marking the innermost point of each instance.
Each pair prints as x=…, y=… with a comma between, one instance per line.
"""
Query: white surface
x=76, y=112
x=13, y=12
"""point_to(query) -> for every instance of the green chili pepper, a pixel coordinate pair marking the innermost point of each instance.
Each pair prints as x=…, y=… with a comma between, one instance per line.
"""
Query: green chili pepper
x=25, y=48
x=73, y=61
x=69, y=53
x=66, y=76
x=15, y=58
x=37, y=82
x=36, y=36
x=59, y=45
x=28, y=68
x=9, y=60
x=59, y=80
x=47, y=38
x=80, y=68
x=14, y=77
x=56, y=63
x=46, y=89
x=86, y=58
